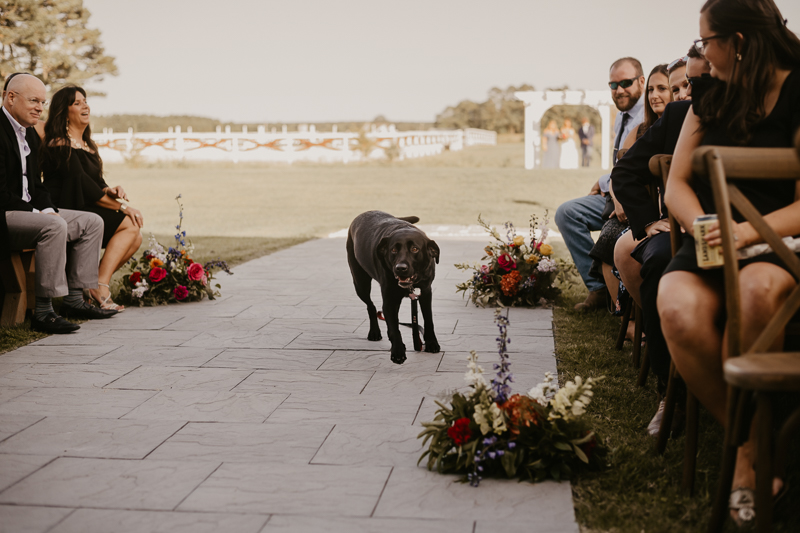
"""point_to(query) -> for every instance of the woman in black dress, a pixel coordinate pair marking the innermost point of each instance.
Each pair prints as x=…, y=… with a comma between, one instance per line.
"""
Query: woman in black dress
x=756, y=102
x=73, y=173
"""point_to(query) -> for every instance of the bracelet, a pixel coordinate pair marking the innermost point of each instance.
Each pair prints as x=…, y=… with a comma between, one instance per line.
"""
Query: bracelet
x=123, y=207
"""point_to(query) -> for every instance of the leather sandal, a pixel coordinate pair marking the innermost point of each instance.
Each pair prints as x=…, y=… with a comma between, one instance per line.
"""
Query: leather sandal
x=107, y=302
x=742, y=502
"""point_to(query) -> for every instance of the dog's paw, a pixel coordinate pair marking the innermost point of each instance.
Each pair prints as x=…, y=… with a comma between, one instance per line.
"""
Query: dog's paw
x=399, y=356
x=374, y=336
x=432, y=345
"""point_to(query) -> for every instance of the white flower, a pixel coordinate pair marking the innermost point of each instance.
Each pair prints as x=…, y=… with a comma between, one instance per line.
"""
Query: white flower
x=474, y=375
x=547, y=265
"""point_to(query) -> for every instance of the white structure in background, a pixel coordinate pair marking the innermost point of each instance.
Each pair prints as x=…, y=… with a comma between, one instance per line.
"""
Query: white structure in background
x=537, y=102
x=304, y=145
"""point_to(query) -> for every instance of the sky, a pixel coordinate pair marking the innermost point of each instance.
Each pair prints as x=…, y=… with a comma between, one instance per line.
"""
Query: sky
x=324, y=61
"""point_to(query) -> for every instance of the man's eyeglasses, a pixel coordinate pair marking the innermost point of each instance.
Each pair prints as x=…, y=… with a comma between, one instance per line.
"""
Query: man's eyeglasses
x=700, y=44
x=683, y=59
x=622, y=83
x=34, y=101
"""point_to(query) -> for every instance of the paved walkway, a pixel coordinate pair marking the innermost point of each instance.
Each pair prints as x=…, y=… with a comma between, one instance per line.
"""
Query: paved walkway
x=266, y=410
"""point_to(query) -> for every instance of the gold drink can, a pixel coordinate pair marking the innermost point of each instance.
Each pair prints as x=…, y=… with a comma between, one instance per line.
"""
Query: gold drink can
x=707, y=256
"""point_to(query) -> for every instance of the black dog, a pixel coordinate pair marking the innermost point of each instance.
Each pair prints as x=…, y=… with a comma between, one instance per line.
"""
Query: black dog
x=400, y=257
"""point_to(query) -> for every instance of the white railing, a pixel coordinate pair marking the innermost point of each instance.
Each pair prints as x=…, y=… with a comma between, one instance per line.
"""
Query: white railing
x=263, y=146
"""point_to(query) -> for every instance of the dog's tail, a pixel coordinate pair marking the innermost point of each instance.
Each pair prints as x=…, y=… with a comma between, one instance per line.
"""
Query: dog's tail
x=412, y=220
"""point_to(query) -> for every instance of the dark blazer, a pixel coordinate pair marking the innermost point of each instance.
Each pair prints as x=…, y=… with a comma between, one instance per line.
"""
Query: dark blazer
x=631, y=175
x=589, y=135
x=11, y=178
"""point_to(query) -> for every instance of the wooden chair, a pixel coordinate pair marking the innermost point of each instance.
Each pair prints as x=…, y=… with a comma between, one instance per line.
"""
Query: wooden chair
x=750, y=371
x=18, y=279
x=659, y=166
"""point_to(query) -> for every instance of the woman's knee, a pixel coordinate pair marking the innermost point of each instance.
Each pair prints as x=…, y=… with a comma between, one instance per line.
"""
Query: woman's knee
x=683, y=309
x=763, y=289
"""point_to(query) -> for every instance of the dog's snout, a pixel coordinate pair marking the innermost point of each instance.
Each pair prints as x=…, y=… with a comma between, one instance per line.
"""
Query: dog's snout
x=401, y=268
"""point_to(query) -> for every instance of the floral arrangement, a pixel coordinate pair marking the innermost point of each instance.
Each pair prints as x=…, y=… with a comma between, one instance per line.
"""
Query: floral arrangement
x=491, y=432
x=517, y=272
x=164, y=276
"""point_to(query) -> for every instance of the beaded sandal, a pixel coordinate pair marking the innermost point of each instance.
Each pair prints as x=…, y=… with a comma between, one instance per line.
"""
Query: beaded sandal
x=107, y=303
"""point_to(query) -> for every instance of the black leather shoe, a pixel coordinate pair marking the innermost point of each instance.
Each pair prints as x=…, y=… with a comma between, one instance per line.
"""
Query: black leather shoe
x=87, y=312
x=52, y=323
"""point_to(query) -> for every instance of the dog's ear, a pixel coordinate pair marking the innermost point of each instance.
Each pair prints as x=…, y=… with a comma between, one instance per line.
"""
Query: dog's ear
x=382, y=247
x=433, y=250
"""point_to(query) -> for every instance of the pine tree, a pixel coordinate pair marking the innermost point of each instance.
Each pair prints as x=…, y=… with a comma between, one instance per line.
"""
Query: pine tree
x=50, y=39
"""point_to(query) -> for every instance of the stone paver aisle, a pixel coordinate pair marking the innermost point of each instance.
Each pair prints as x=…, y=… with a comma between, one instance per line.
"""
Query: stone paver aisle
x=266, y=410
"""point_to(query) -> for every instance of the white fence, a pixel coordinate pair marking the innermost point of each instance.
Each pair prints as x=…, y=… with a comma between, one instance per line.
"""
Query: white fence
x=263, y=146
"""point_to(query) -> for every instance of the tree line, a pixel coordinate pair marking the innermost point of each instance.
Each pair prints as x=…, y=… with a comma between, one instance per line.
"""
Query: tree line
x=503, y=113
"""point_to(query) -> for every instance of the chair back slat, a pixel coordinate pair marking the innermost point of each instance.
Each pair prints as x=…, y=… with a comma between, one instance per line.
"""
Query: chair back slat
x=777, y=324
x=723, y=166
x=751, y=214
x=750, y=163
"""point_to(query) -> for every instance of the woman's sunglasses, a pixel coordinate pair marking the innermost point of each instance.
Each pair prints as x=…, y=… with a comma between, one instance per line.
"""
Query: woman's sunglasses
x=623, y=83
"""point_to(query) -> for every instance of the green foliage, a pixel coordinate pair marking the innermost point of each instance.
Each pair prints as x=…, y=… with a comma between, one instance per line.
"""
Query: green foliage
x=50, y=39
x=501, y=112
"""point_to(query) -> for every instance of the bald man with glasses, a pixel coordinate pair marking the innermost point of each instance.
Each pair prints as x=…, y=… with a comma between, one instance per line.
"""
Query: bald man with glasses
x=67, y=242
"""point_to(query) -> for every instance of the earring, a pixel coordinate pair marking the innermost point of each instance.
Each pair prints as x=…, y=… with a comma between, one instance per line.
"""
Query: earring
x=738, y=57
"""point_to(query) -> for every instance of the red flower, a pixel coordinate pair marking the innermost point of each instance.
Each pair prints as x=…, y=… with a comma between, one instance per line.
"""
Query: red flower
x=459, y=431
x=136, y=277
x=506, y=262
x=181, y=292
x=157, y=274
x=195, y=272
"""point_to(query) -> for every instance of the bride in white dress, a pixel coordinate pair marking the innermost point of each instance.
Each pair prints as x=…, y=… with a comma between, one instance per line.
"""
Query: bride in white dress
x=569, y=149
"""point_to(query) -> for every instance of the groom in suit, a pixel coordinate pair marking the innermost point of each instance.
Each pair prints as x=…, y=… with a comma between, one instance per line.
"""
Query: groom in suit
x=67, y=242
x=586, y=135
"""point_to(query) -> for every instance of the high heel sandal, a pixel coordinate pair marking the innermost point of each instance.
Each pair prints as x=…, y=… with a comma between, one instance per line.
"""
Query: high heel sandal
x=107, y=303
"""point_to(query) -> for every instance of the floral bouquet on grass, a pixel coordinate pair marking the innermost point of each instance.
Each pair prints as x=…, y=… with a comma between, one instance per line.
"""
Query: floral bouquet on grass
x=491, y=432
x=164, y=276
x=517, y=272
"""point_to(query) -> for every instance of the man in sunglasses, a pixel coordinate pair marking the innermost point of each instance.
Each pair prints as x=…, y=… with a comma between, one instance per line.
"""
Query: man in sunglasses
x=631, y=178
x=577, y=218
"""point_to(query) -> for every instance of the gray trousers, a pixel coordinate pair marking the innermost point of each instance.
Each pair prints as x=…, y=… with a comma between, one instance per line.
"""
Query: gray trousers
x=67, y=248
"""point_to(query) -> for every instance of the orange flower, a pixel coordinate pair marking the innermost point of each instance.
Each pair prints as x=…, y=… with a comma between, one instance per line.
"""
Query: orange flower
x=520, y=412
x=156, y=262
x=488, y=250
x=510, y=283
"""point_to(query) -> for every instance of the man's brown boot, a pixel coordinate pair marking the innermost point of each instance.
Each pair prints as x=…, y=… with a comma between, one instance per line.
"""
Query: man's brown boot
x=595, y=300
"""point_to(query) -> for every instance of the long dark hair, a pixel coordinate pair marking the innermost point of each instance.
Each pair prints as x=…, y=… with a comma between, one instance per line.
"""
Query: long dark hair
x=767, y=45
x=650, y=116
x=56, y=140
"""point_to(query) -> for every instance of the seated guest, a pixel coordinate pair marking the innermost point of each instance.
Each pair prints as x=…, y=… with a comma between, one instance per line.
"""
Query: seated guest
x=67, y=242
x=656, y=99
x=757, y=60
x=642, y=254
x=679, y=78
x=73, y=173
x=577, y=218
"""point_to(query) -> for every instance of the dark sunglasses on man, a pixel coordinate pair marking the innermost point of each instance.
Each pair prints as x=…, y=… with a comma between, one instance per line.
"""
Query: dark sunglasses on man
x=622, y=83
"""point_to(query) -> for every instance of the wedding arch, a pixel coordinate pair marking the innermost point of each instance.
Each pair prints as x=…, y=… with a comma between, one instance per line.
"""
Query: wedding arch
x=537, y=102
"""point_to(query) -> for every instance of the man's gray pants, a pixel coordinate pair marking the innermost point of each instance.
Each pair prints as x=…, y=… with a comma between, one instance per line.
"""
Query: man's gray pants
x=67, y=248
